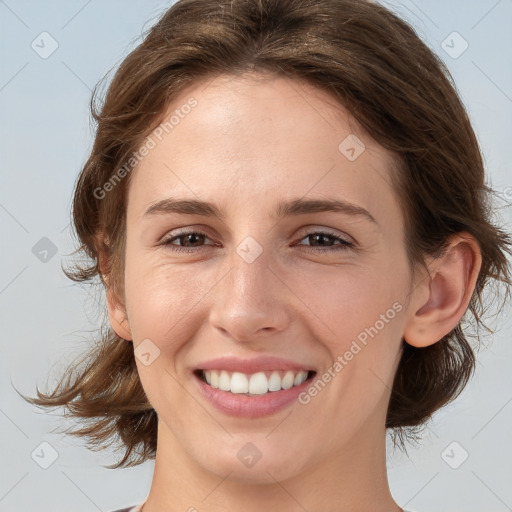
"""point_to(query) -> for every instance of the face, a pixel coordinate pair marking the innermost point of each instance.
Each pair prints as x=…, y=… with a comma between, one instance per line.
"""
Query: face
x=270, y=272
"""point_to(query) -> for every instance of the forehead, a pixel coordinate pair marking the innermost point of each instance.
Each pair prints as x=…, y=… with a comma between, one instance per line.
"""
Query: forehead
x=256, y=134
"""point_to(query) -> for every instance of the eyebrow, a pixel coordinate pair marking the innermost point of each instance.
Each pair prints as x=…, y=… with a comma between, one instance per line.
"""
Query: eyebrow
x=292, y=207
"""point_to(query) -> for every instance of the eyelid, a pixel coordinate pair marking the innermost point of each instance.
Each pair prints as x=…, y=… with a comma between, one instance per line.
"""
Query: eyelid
x=304, y=231
x=307, y=230
x=183, y=232
x=342, y=242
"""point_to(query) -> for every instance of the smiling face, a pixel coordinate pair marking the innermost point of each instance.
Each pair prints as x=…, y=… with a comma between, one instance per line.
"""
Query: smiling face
x=268, y=270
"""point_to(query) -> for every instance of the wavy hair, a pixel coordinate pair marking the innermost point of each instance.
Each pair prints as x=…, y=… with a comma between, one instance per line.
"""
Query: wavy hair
x=372, y=63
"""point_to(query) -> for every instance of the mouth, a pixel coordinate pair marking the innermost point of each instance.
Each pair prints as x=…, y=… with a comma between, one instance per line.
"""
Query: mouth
x=254, y=384
x=252, y=388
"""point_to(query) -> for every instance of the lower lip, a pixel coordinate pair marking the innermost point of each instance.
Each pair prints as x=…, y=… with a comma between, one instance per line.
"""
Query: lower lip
x=256, y=406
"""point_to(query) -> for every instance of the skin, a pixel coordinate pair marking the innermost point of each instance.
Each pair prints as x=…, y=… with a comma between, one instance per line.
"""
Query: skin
x=248, y=144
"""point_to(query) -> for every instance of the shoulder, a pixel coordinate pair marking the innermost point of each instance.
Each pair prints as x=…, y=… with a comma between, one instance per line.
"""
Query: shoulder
x=134, y=508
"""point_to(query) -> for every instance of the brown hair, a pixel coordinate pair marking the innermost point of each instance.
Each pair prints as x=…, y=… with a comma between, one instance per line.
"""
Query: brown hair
x=374, y=64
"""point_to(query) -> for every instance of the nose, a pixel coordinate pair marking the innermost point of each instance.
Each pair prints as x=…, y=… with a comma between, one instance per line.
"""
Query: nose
x=251, y=302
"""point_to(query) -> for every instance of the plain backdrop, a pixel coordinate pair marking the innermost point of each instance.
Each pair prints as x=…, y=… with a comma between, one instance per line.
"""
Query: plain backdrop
x=464, y=462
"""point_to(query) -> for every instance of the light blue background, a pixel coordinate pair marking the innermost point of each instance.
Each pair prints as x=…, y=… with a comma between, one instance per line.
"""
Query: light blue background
x=46, y=319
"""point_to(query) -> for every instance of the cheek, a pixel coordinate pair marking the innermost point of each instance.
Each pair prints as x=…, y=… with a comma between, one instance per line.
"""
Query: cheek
x=162, y=301
x=169, y=302
x=361, y=327
x=365, y=319
x=348, y=301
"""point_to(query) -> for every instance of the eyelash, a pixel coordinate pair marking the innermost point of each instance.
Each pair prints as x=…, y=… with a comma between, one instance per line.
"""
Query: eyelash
x=345, y=244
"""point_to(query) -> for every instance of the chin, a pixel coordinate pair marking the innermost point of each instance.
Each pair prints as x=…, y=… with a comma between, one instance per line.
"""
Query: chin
x=247, y=465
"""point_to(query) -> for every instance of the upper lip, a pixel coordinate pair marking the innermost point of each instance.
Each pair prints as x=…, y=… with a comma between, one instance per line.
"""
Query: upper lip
x=253, y=365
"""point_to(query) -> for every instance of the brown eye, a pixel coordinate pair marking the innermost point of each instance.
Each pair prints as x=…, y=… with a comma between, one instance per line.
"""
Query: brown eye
x=329, y=241
x=188, y=239
x=319, y=241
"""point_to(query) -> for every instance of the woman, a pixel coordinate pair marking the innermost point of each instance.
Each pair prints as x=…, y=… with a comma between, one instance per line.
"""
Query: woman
x=286, y=204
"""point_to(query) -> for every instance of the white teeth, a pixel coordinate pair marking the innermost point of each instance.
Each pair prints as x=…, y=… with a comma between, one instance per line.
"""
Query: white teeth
x=239, y=383
x=287, y=381
x=298, y=379
x=255, y=384
x=224, y=381
x=274, y=382
x=258, y=384
x=214, y=376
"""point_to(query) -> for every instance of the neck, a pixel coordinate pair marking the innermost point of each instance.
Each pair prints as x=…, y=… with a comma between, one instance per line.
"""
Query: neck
x=353, y=479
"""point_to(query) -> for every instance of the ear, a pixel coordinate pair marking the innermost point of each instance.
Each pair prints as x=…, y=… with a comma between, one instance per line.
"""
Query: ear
x=441, y=299
x=116, y=309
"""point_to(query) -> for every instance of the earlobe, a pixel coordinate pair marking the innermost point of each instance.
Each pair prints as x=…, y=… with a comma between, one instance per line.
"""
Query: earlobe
x=116, y=310
x=448, y=289
x=118, y=317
